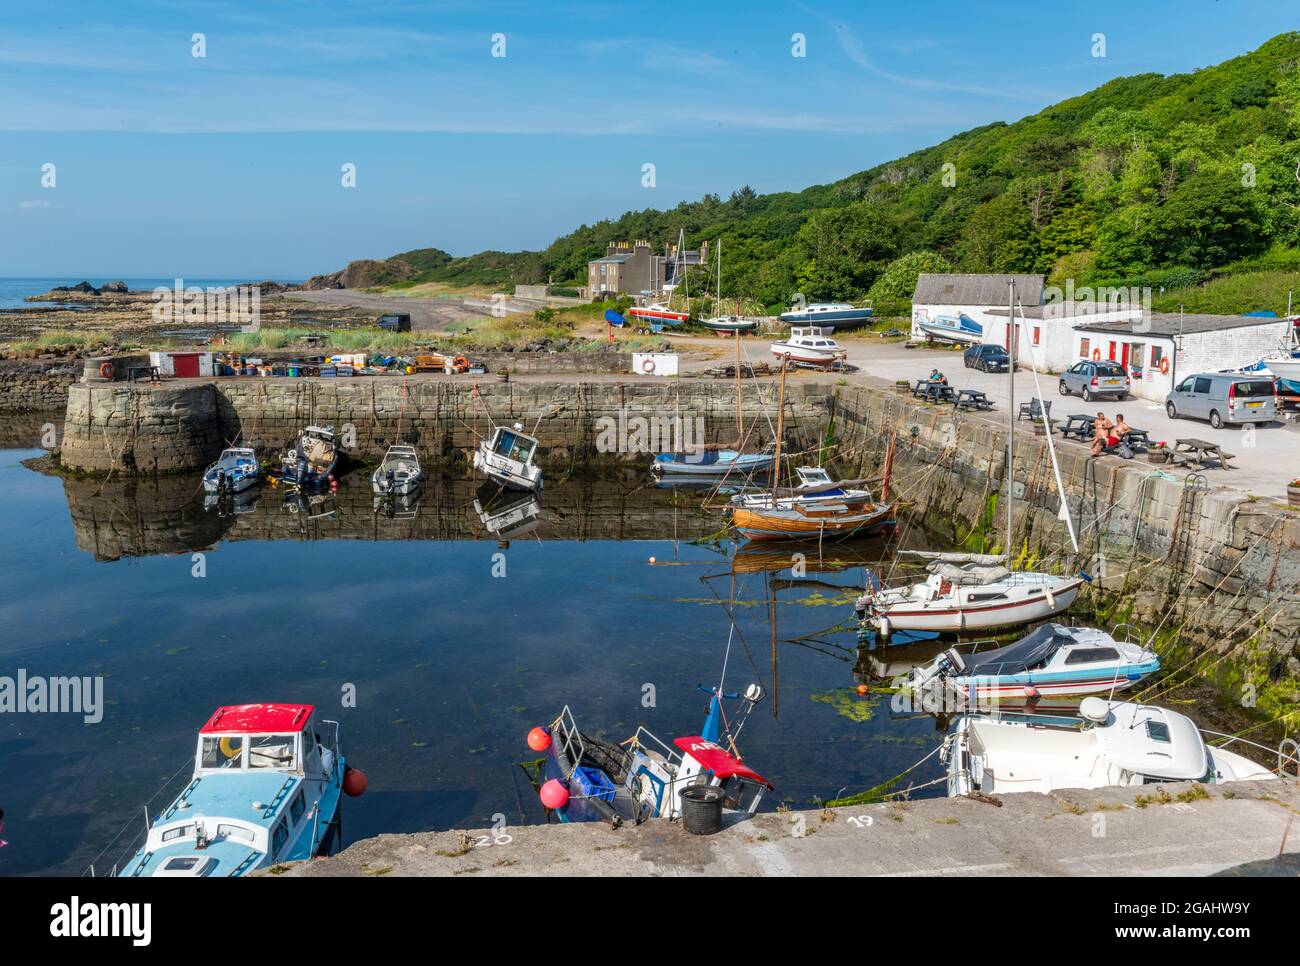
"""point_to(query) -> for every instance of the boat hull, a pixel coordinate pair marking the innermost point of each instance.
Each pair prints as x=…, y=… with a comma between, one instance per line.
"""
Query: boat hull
x=658, y=315
x=830, y=321
x=805, y=356
x=1060, y=684
x=744, y=326
x=713, y=464
x=792, y=525
x=981, y=617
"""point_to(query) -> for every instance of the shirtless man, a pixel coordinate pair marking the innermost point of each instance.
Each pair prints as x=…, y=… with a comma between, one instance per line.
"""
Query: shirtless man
x=1102, y=429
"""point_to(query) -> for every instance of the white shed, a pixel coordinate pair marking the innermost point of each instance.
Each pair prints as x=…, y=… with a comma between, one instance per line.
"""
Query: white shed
x=1047, y=332
x=940, y=302
x=1165, y=346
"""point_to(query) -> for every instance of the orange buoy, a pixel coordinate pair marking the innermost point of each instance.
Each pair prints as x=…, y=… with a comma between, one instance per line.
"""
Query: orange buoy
x=354, y=782
x=863, y=689
x=554, y=795
x=106, y=370
x=539, y=739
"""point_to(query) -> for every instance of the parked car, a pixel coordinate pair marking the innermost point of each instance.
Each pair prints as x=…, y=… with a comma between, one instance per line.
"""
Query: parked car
x=988, y=357
x=1222, y=397
x=1095, y=379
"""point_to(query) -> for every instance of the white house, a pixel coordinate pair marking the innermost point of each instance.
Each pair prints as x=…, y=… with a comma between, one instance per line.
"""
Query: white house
x=940, y=300
x=1162, y=347
x=1047, y=332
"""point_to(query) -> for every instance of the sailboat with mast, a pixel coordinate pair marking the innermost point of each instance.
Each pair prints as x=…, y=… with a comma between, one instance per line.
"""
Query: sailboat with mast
x=977, y=591
x=728, y=324
x=803, y=515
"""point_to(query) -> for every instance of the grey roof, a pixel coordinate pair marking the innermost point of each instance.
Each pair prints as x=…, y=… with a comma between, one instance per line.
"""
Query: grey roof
x=1067, y=310
x=933, y=289
x=1170, y=324
x=610, y=259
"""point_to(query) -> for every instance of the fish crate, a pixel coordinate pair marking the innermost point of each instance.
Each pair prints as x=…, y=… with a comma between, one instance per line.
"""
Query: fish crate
x=593, y=783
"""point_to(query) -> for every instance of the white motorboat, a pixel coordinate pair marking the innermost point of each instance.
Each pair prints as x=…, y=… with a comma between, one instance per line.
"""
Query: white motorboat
x=507, y=515
x=1050, y=660
x=815, y=486
x=1111, y=743
x=235, y=470
x=399, y=474
x=967, y=592
x=809, y=346
x=507, y=459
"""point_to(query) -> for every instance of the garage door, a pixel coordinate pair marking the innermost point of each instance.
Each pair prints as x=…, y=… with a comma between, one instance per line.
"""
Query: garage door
x=186, y=366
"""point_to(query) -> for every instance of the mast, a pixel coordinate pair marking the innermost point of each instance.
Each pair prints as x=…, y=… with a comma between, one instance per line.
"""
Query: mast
x=1011, y=414
x=780, y=429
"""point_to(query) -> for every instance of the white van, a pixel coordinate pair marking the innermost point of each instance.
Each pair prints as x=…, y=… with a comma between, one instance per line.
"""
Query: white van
x=1224, y=397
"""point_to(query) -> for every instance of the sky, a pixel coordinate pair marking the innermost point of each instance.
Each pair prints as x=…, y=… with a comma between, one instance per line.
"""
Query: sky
x=231, y=164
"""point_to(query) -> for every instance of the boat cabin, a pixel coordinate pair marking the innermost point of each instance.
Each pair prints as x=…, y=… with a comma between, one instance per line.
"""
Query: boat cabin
x=263, y=776
x=742, y=787
x=513, y=444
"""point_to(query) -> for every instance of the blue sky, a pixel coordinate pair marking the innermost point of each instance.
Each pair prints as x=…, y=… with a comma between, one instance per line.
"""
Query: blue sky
x=229, y=165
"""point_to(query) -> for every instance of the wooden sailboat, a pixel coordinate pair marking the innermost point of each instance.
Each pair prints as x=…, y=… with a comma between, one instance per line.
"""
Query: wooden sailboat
x=852, y=514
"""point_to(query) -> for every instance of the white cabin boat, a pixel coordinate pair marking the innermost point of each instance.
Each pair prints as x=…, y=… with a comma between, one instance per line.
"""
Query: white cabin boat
x=235, y=470
x=1112, y=743
x=399, y=474
x=507, y=459
x=815, y=486
x=809, y=346
x=968, y=592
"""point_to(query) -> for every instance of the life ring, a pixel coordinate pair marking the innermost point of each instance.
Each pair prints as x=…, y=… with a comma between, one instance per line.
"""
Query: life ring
x=1096, y=355
x=1164, y=366
x=228, y=749
x=647, y=366
x=460, y=364
x=106, y=370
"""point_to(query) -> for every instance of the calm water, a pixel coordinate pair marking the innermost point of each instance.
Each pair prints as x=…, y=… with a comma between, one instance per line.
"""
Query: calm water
x=451, y=665
x=14, y=291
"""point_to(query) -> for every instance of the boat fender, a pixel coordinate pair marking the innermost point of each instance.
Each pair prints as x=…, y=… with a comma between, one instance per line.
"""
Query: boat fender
x=1051, y=598
x=883, y=627
x=554, y=795
x=354, y=782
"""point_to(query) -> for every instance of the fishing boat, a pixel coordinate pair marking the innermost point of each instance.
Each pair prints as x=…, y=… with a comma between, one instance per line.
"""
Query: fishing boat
x=399, y=473
x=815, y=486
x=731, y=325
x=228, y=504
x=1110, y=743
x=816, y=521
x=830, y=316
x=235, y=470
x=506, y=458
x=1049, y=660
x=966, y=592
x=711, y=462
x=656, y=312
x=589, y=779
x=310, y=461
x=507, y=514
x=267, y=788
x=809, y=346
x=951, y=328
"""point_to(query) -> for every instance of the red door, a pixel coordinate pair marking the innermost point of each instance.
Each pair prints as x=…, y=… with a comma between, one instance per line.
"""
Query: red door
x=1124, y=357
x=1112, y=352
x=185, y=365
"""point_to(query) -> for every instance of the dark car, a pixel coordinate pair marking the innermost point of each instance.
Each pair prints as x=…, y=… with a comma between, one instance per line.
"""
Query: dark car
x=988, y=357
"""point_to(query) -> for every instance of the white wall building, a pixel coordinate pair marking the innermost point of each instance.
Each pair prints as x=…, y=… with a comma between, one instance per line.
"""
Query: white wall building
x=1162, y=348
x=1047, y=332
x=975, y=296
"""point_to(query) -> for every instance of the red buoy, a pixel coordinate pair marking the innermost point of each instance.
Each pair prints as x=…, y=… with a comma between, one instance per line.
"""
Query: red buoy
x=539, y=739
x=1031, y=691
x=354, y=782
x=554, y=795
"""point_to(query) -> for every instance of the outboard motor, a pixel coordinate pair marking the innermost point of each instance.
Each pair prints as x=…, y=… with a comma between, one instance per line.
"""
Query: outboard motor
x=949, y=664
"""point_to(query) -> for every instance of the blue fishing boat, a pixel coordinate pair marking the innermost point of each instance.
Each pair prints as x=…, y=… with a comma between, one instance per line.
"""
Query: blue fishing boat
x=829, y=316
x=712, y=463
x=267, y=787
x=1051, y=660
x=951, y=328
x=588, y=779
x=234, y=471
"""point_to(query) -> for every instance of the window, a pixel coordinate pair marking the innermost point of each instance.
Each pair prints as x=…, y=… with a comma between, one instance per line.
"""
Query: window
x=220, y=752
x=1202, y=384
x=1255, y=389
x=179, y=832
x=297, y=807
x=1156, y=355
x=1158, y=731
x=1037, y=333
x=279, y=837
x=1185, y=385
x=271, y=751
x=1091, y=655
x=235, y=832
x=1085, y=345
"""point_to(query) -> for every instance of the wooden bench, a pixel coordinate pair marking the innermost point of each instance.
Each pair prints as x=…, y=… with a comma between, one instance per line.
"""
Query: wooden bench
x=1199, y=451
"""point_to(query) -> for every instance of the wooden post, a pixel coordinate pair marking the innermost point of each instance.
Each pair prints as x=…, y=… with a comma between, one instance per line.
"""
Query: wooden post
x=780, y=429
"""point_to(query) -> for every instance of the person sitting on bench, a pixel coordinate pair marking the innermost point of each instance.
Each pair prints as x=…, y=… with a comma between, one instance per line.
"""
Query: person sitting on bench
x=1102, y=437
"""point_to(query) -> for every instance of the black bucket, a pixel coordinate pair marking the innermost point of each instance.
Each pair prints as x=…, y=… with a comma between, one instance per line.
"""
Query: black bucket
x=701, y=809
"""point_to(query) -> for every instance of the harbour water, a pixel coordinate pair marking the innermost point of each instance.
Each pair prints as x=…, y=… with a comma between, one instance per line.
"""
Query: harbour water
x=455, y=643
x=15, y=291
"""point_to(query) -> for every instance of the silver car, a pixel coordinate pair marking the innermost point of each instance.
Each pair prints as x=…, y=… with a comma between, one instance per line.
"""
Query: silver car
x=1095, y=379
x=1223, y=398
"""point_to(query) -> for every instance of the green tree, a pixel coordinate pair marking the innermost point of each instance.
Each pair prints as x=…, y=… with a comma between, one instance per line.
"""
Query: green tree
x=1207, y=220
x=998, y=237
x=898, y=281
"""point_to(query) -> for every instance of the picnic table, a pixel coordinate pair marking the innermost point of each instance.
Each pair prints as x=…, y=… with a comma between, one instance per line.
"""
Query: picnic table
x=1034, y=409
x=1078, y=426
x=1199, y=451
x=973, y=399
x=938, y=392
x=135, y=373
